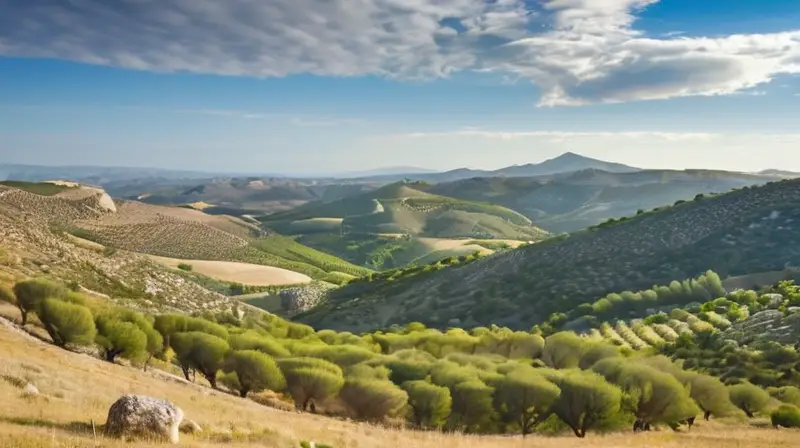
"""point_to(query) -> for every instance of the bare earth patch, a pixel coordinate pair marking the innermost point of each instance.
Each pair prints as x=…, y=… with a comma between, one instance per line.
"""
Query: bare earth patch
x=244, y=273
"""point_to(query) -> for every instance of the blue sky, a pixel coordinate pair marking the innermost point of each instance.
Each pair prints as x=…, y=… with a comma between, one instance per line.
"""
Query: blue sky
x=313, y=86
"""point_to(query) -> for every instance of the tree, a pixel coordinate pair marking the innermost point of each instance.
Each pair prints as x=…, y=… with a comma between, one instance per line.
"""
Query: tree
x=264, y=344
x=523, y=396
x=67, y=323
x=202, y=352
x=708, y=392
x=30, y=293
x=429, y=405
x=597, y=352
x=119, y=338
x=586, y=400
x=311, y=380
x=403, y=371
x=254, y=371
x=749, y=398
x=563, y=350
x=373, y=399
x=471, y=405
x=787, y=394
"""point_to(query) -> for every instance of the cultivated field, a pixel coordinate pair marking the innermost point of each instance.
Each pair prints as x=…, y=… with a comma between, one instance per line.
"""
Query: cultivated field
x=244, y=273
x=76, y=389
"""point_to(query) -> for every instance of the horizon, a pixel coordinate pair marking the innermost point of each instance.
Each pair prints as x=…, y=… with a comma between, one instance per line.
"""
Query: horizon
x=309, y=86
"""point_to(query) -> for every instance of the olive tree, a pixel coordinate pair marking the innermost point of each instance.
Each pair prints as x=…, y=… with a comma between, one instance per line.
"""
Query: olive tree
x=373, y=399
x=429, y=405
x=523, y=396
x=311, y=380
x=586, y=401
x=471, y=406
x=563, y=350
x=202, y=352
x=30, y=293
x=749, y=398
x=710, y=394
x=253, y=371
x=66, y=322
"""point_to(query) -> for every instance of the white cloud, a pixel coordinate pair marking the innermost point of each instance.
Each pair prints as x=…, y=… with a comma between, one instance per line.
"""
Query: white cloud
x=302, y=120
x=576, y=51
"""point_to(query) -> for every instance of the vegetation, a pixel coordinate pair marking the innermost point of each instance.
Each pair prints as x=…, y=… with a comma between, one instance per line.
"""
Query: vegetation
x=40, y=188
x=786, y=416
x=252, y=371
x=749, y=398
x=726, y=234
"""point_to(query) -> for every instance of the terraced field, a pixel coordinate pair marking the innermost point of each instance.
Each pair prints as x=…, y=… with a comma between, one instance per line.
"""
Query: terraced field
x=244, y=273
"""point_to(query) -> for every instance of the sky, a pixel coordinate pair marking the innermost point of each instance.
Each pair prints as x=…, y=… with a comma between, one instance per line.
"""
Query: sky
x=321, y=86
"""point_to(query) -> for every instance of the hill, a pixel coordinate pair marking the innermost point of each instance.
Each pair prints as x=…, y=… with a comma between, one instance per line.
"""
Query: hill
x=399, y=223
x=747, y=231
x=573, y=201
x=90, y=214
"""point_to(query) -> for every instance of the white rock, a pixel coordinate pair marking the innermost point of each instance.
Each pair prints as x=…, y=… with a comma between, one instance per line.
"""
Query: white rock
x=140, y=416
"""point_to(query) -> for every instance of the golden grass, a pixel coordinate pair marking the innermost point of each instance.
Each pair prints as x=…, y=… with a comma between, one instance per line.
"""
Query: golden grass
x=77, y=389
x=244, y=273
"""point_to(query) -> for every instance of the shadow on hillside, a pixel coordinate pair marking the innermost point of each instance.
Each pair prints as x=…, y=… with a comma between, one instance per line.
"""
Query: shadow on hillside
x=78, y=428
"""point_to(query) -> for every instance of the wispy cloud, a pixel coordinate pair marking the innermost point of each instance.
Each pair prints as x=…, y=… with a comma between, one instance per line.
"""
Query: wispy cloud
x=293, y=119
x=576, y=51
x=561, y=135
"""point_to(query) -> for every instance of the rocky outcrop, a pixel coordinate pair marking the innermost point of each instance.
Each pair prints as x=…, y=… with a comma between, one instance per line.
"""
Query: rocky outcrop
x=303, y=298
x=137, y=416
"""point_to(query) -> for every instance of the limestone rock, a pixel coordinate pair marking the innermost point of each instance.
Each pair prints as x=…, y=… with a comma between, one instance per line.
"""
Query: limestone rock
x=30, y=390
x=140, y=416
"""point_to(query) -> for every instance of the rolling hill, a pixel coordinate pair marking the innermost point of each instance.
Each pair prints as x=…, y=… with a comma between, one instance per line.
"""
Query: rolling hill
x=747, y=231
x=573, y=201
x=399, y=223
x=90, y=214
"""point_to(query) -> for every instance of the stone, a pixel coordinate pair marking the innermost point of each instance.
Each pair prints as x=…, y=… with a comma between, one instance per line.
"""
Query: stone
x=190, y=427
x=30, y=390
x=134, y=416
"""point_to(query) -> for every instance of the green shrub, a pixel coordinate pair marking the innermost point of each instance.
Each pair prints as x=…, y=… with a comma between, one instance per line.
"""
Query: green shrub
x=373, y=399
x=30, y=293
x=185, y=267
x=67, y=323
x=787, y=416
x=202, y=352
x=7, y=295
x=749, y=398
x=429, y=405
x=254, y=371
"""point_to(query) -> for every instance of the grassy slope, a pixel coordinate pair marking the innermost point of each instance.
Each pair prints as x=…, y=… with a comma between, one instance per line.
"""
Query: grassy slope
x=77, y=390
x=742, y=232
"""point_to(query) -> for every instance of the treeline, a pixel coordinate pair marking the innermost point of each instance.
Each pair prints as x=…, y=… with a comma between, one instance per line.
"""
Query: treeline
x=628, y=304
x=487, y=380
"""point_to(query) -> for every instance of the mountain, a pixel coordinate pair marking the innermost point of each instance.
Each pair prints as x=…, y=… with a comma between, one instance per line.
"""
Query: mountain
x=565, y=163
x=388, y=171
x=567, y=202
x=750, y=230
x=779, y=173
x=401, y=223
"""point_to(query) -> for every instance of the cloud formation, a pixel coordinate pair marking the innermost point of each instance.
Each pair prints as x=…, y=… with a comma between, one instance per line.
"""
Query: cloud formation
x=576, y=51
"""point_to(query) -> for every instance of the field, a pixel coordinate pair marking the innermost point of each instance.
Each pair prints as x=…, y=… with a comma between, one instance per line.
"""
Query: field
x=40, y=188
x=244, y=273
x=77, y=390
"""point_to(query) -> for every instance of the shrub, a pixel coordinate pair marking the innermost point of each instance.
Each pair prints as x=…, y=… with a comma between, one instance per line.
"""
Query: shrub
x=202, y=352
x=264, y=344
x=749, y=398
x=522, y=396
x=185, y=267
x=373, y=399
x=787, y=416
x=7, y=295
x=118, y=338
x=563, y=350
x=586, y=401
x=471, y=406
x=596, y=353
x=429, y=405
x=67, y=323
x=30, y=293
x=787, y=394
x=311, y=380
x=254, y=371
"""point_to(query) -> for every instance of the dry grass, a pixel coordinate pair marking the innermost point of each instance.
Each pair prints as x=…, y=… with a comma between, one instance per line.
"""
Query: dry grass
x=77, y=389
x=244, y=273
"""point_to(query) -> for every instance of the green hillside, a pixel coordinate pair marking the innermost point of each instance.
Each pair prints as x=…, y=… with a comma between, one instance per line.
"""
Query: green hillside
x=575, y=201
x=747, y=231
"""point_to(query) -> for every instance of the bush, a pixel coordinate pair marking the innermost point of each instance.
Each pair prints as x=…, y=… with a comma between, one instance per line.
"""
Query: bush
x=563, y=350
x=586, y=401
x=30, y=293
x=264, y=344
x=429, y=405
x=787, y=416
x=523, y=395
x=787, y=394
x=123, y=332
x=373, y=399
x=254, y=371
x=67, y=323
x=202, y=352
x=749, y=398
x=185, y=267
x=7, y=295
x=311, y=380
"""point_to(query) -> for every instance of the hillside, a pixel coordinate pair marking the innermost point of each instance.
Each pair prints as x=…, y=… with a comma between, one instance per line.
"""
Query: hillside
x=398, y=224
x=90, y=214
x=746, y=231
x=576, y=200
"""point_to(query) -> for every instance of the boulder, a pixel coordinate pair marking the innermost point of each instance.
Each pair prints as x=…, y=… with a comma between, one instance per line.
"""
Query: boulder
x=137, y=416
x=30, y=390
